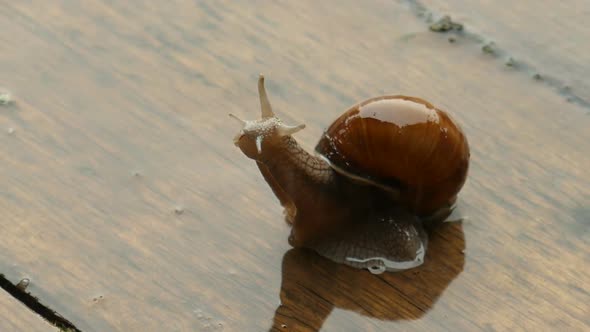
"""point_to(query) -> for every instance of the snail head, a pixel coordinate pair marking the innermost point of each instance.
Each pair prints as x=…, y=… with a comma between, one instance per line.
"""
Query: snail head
x=257, y=136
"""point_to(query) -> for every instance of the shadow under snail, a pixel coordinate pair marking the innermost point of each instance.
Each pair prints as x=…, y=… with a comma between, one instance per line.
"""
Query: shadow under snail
x=381, y=172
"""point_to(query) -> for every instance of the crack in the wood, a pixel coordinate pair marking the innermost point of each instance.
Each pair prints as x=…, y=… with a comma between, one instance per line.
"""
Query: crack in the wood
x=33, y=303
x=489, y=47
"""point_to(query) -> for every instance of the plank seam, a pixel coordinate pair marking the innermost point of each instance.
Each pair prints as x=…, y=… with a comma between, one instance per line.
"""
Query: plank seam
x=33, y=303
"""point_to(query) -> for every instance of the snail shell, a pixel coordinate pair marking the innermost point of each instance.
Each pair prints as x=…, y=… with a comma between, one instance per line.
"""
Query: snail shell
x=402, y=144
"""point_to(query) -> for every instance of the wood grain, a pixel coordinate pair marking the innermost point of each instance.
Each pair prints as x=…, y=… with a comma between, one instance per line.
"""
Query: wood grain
x=126, y=202
x=16, y=317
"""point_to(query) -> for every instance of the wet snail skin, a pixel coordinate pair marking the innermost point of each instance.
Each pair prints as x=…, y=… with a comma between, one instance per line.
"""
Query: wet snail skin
x=382, y=170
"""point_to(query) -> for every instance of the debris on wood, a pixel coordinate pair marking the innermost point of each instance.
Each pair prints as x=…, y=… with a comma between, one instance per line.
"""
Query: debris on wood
x=489, y=48
x=23, y=284
x=5, y=97
x=445, y=24
x=510, y=62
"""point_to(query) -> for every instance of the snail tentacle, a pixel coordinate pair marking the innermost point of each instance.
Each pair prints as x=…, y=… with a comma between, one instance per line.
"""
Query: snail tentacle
x=265, y=108
x=285, y=130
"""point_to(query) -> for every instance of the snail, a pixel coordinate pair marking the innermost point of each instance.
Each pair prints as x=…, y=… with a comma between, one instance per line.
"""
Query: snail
x=383, y=171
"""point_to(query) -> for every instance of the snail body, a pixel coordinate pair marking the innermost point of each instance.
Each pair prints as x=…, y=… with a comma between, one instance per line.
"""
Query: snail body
x=381, y=170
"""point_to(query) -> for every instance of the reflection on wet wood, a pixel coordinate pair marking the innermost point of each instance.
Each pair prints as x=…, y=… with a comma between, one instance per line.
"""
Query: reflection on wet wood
x=14, y=316
x=313, y=286
x=125, y=201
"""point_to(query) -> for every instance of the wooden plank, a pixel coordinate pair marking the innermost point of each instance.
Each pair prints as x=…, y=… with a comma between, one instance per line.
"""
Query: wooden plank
x=16, y=317
x=125, y=200
x=541, y=37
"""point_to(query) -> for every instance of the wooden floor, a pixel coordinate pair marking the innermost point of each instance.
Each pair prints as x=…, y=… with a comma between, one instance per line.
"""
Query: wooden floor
x=17, y=317
x=125, y=202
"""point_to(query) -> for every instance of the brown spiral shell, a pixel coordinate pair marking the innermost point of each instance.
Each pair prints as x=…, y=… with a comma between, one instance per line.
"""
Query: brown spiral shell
x=403, y=143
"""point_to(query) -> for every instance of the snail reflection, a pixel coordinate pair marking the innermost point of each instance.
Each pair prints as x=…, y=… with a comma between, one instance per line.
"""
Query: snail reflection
x=382, y=172
x=313, y=286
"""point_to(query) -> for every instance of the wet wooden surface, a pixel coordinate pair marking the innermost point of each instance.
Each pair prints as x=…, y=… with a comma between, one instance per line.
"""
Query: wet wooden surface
x=127, y=205
x=544, y=36
x=17, y=317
